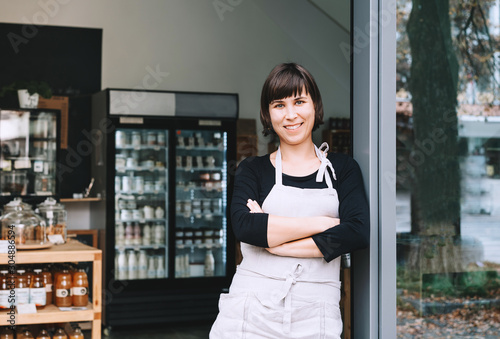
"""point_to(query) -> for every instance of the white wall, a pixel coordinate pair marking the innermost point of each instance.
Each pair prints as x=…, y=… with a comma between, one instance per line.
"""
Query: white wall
x=203, y=49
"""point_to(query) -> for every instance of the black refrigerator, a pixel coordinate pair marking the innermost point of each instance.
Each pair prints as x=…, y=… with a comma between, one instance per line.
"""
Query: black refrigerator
x=164, y=163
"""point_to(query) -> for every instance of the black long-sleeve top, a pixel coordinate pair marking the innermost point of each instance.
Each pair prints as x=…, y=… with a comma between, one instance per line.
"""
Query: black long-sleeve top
x=254, y=179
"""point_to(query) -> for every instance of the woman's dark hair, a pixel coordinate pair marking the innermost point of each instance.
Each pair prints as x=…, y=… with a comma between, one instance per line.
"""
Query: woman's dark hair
x=286, y=80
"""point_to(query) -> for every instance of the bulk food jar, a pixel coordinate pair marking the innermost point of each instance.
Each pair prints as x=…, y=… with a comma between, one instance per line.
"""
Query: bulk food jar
x=55, y=215
x=28, y=228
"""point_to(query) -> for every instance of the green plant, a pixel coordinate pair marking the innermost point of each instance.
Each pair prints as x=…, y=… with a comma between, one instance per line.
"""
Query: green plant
x=41, y=87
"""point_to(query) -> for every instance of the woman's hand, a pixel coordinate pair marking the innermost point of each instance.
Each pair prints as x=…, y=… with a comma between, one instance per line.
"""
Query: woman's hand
x=254, y=206
x=303, y=248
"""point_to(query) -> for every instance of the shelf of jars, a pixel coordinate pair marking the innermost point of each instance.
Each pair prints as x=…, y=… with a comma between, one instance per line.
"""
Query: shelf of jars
x=197, y=169
x=200, y=148
x=49, y=314
x=142, y=147
x=71, y=251
x=141, y=192
x=140, y=220
x=126, y=169
x=140, y=247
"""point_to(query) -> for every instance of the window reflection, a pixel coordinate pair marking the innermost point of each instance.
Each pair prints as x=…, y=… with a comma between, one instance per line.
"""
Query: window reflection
x=448, y=168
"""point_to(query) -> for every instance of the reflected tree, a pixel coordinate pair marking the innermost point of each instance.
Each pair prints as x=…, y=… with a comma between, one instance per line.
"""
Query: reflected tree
x=447, y=46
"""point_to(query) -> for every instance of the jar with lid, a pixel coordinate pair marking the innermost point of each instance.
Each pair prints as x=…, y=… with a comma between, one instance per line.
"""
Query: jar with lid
x=21, y=222
x=55, y=214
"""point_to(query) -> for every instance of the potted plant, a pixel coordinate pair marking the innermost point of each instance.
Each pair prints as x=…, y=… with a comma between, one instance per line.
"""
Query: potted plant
x=28, y=92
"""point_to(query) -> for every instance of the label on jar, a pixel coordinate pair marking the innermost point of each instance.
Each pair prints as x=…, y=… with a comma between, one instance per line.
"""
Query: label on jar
x=63, y=292
x=79, y=290
x=48, y=288
x=4, y=299
x=22, y=295
x=38, y=296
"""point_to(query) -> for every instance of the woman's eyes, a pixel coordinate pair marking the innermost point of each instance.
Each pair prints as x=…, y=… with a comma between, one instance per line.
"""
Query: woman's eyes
x=298, y=102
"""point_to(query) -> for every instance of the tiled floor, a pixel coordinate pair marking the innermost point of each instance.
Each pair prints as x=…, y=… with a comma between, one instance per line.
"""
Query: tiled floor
x=181, y=331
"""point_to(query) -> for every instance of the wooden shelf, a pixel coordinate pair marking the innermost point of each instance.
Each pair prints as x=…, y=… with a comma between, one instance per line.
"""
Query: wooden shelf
x=50, y=314
x=71, y=251
x=80, y=199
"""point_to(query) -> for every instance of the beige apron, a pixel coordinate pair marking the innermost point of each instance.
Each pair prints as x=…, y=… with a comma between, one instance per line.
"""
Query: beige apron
x=285, y=297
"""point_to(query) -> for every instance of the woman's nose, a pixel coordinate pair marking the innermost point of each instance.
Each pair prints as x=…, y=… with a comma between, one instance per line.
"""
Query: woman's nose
x=290, y=113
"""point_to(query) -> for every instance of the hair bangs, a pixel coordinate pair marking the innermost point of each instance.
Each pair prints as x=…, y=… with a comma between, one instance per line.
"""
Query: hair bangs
x=287, y=84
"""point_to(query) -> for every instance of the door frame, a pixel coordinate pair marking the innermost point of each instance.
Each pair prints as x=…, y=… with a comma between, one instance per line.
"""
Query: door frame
x=373, y=108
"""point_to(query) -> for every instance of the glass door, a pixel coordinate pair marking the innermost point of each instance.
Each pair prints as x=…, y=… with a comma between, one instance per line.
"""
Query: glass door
x=141, y=204
x=28, y=141
x=201, y=197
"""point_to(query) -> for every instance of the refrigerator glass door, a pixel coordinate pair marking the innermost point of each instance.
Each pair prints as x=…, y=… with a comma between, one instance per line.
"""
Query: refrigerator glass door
x=141, y=204
x=28, y=145
x=200, y=204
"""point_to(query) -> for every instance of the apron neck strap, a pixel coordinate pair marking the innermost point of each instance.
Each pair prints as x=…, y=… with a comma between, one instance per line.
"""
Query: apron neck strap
x=322, y=172
x=325, y=163
x=279, y=168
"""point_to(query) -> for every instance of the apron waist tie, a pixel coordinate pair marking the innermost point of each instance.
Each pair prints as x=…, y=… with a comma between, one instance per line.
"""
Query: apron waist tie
x=283, y=293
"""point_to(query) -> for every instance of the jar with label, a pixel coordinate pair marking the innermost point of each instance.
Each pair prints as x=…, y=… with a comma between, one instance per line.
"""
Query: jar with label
x=151, y=267
x=120, y=139
x=146, y=235
x=125, y=215
x=56, y=216
x=132, y=265
x=47, y=280
x=43, y=334
x=60, y=334
x=149, y=212
x=38, y=294
x=122, y=266
x=77, y=333
x=142, y=265
x=4, y=290
x=24, y=333
x=149, y=186
x=22, y=288
x=63, y=289
x=151, y=138
x=136, y=139
x=7, y=333
x=209, y=264
x=139, y=184
x=160, y=139
x=159, y=212
x=159, y=234
x=160, y=267
x=80, y=289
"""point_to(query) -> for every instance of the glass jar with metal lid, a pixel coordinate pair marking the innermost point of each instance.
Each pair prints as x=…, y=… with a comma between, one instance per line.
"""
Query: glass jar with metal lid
x=19, y=220
x=56, y=217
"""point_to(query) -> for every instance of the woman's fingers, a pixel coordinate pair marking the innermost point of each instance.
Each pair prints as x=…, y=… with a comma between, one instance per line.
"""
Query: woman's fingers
x=253, y=206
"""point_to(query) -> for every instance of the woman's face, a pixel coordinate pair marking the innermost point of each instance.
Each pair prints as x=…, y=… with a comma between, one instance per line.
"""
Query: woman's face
x=293, y=118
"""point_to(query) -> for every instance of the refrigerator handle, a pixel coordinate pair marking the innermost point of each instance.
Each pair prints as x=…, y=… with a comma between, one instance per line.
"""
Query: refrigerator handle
x=99, y=149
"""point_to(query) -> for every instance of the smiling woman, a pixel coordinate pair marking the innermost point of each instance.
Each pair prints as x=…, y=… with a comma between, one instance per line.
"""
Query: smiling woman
x=295, y=212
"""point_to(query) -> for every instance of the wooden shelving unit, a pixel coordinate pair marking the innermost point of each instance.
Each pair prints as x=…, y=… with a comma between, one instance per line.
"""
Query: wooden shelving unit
x=80, y=199
x=72, y=251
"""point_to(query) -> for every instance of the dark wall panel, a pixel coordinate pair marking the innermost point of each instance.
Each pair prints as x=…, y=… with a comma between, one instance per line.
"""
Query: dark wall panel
x=69, y=60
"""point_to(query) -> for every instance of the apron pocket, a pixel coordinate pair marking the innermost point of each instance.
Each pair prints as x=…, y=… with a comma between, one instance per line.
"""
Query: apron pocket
x=231, y=317
x=306, y=321
x=264, y=318
x=333, y=321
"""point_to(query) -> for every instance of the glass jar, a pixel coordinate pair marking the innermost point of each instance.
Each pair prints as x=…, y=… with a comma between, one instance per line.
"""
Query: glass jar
x=13, y=182
x=56, y=216
x=29, y=228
